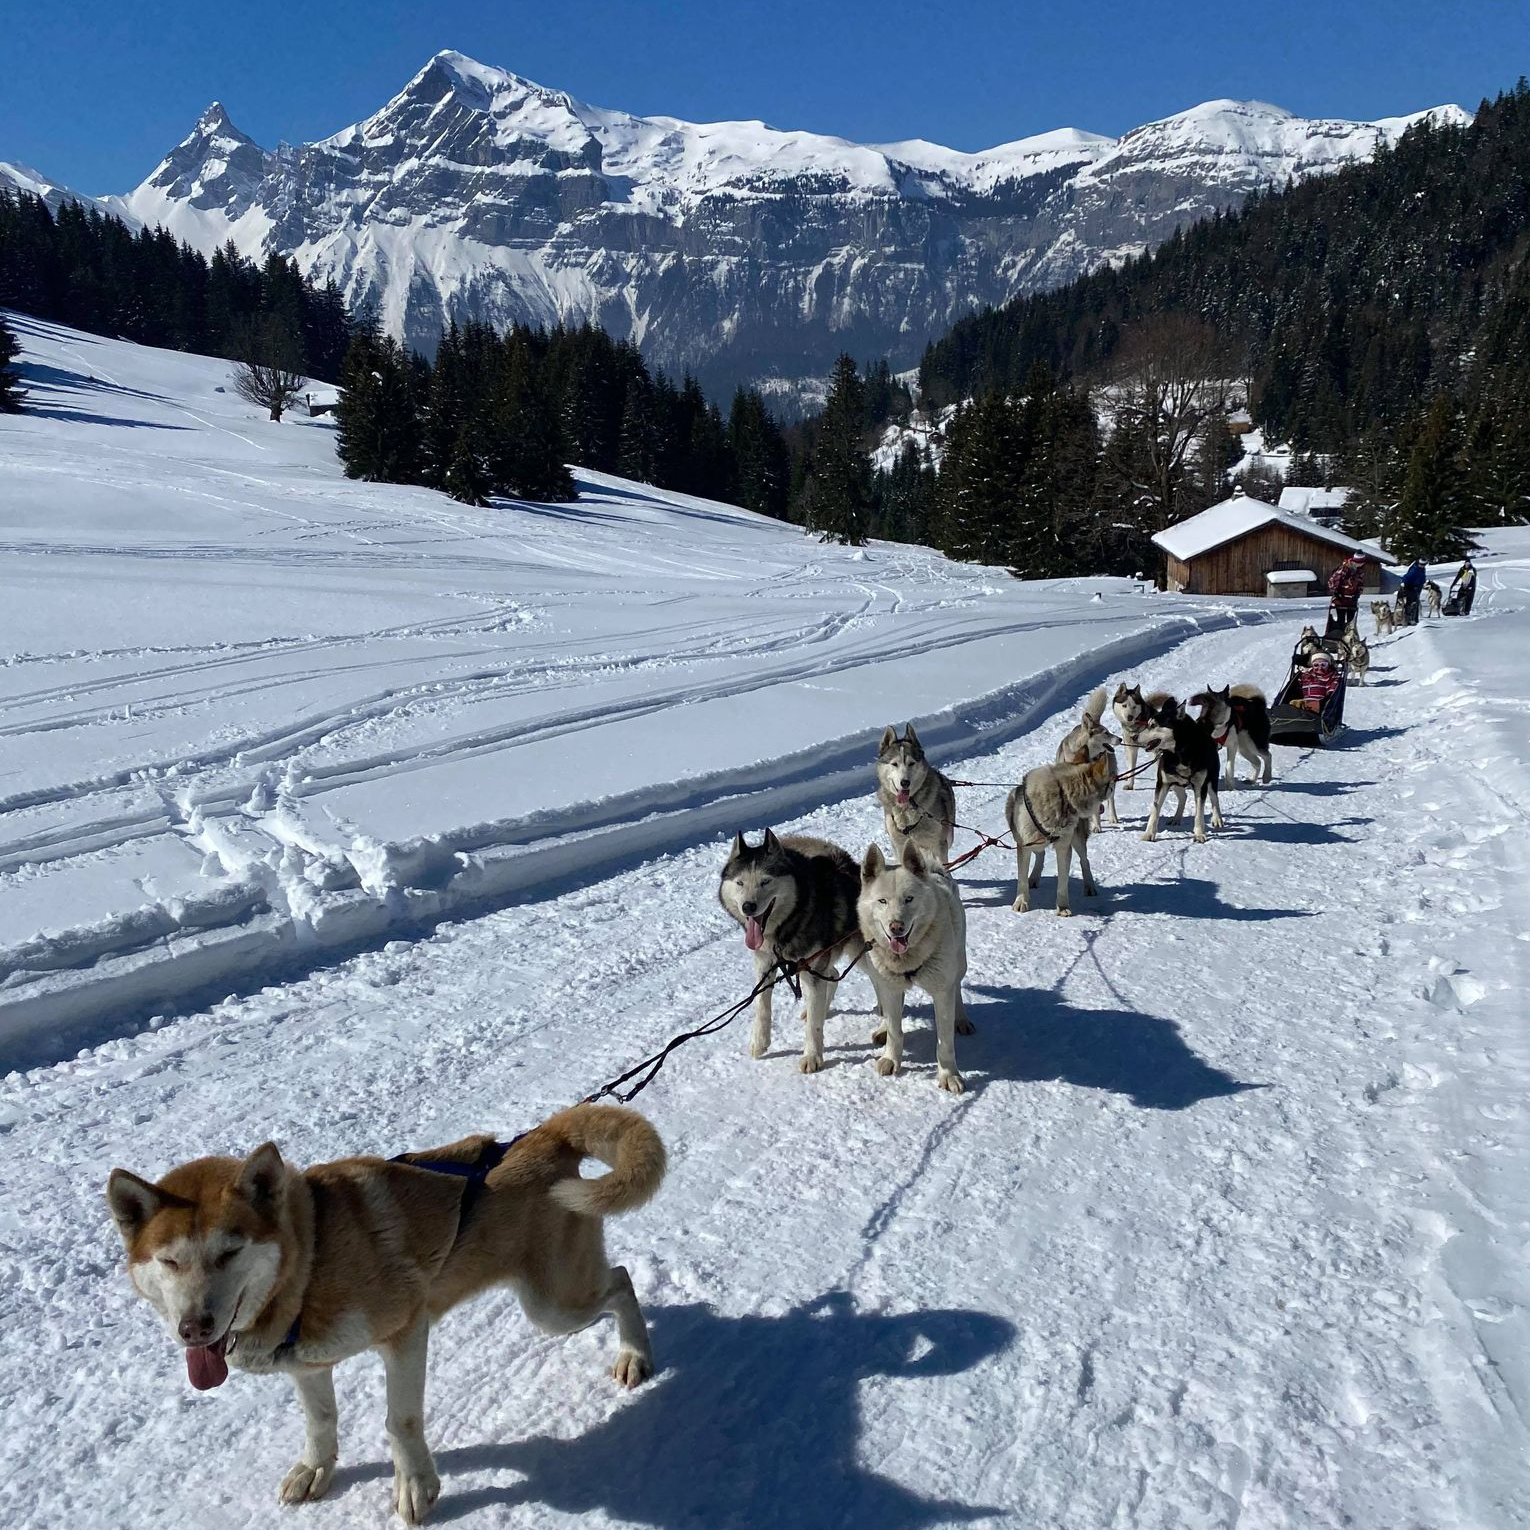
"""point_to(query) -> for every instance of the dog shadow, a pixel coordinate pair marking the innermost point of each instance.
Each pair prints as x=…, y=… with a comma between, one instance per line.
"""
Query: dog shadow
x=750, y=1417
x=1031, y=1036
x=1183, y=898
x=1291, y=831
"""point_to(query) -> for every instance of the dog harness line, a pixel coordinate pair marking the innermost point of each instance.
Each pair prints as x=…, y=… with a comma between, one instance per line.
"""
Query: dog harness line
x=1025, y=802
x=489, y=1158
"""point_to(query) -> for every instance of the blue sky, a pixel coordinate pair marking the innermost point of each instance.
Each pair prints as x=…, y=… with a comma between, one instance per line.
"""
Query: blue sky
x=96, y=92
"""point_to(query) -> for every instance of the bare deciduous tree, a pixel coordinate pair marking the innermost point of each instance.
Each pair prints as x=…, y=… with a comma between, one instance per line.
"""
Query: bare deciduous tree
x=1171, y=381
x=270, y=387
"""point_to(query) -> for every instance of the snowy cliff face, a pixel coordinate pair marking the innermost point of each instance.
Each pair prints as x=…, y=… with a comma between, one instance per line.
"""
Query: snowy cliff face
x=729, y=249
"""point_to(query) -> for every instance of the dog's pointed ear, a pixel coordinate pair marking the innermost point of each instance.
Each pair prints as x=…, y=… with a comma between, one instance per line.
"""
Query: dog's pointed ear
x=738, y=846
x=262, y=1176
x=913, y=859
x=770, y=843
x=1120, y=691
x=872, y=864
x=889, y=738
x=132, y=1201
x=910, y=737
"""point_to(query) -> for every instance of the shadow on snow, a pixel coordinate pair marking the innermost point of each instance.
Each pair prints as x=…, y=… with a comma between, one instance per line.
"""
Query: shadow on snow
x=752, y=1420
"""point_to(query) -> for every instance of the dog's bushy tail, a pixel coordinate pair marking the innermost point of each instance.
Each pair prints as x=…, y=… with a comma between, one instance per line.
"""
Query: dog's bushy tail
x=620, y=1138
x=1094, y=708
x=1250, y=693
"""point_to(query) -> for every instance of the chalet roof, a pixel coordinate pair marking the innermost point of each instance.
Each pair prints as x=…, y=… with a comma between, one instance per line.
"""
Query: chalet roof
x=1305, y=501
x=1237, y=517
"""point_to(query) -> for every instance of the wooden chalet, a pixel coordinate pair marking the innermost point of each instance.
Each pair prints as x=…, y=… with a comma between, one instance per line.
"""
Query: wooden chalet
x=1235, y=547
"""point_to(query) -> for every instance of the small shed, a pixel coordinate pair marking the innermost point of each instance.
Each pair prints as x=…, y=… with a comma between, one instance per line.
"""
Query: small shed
x=1232, y=548
x=1290, y=583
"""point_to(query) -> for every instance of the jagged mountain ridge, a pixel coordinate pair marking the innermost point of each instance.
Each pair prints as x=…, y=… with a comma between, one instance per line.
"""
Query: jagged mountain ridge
x=731, y=249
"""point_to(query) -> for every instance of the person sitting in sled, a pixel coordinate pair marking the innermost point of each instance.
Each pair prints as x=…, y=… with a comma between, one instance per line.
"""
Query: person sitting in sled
x=1345, y=584
x=1320, y=680
x=1463, y=587
x=1412, y=587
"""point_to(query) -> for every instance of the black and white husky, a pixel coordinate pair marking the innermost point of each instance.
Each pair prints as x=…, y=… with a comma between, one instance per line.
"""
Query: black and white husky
x=1187, y=762
x=1238, y=719
x=795, y=897
x=918, y=803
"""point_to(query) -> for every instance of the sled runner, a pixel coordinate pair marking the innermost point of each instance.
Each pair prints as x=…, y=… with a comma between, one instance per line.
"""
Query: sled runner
x=1452, y=606
x=1291, y=722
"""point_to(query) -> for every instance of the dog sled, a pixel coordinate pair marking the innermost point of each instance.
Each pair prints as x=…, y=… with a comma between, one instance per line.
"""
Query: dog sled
x=1452, y=606
x=1291, y=722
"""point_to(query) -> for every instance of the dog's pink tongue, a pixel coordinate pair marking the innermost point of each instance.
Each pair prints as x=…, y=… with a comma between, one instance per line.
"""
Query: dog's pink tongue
x=754, y=933
x=205, y=1366
x=902, y=799
x=898, y=943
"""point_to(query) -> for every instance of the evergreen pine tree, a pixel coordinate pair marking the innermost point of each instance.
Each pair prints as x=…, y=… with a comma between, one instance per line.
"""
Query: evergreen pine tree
x=838, y=488
x=11, y=393
x=1427, y=522
x=467, y=476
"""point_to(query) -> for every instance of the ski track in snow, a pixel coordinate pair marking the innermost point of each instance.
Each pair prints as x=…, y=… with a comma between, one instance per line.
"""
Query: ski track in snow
x=1228, y=1230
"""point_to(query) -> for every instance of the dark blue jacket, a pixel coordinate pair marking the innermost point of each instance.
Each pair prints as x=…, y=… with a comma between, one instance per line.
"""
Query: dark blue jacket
x=1416, y=575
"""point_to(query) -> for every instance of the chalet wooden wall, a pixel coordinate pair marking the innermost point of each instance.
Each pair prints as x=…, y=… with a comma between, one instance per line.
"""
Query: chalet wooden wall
x=1239, y=567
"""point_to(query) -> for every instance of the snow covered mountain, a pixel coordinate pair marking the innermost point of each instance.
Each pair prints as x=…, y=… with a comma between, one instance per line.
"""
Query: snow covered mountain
x=731, y=249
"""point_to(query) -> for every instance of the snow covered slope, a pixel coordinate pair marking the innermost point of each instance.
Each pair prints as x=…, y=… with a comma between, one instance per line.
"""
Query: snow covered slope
x=254, y=712
x=730, y=249
x=1229, y=1228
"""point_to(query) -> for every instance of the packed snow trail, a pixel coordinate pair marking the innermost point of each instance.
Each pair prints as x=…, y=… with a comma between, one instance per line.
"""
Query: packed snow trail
x=1227, y=1230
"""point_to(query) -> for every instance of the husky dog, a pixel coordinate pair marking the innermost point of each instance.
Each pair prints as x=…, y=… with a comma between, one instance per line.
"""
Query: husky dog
x=918, y=803
x=1435, y=596
x=274, y=1268
x=914, y=925
x=1056, y=805
x=1087, y=740
x=1386, y=622
x=1187, y=760
x=1133, y=712
x=1359, y=653
x=795, y=897
x=1308, y=644
x=1238, y=716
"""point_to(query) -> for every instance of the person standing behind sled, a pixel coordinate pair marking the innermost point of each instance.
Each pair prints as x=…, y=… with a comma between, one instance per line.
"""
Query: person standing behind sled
x=1412, y=588
x=1463, y=587
x=1345, y=584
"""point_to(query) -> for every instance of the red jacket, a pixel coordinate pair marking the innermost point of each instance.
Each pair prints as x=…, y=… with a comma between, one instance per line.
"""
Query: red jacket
x=1319, y=682
x=1347, y=580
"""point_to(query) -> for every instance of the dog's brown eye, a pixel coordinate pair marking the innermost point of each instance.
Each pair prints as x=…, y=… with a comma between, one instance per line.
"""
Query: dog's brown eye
x=225, y=1258
x=169, y=1264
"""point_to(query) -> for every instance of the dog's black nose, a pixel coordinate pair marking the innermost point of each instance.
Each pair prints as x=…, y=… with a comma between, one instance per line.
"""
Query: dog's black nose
x=198, y=1329
x=904, y=783
x=749, y=908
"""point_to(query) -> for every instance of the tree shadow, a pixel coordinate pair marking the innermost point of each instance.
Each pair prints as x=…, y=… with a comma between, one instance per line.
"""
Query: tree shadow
x=49, y=376
x=752, y=1420
x=85, y=417
x=1030, y=1036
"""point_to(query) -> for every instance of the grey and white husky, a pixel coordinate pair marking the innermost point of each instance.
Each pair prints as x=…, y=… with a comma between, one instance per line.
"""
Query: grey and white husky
x=1134, y=712
x=912, y=919
x=1056, y=805
x=795, y=898
x=918, y=803
x=1359, y=652
x=1089, y=738
x=1238, y=719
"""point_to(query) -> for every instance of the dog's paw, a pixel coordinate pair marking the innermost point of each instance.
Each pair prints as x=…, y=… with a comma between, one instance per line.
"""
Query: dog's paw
x=632, y=1368
x=950, y=1082
x=304, y=1482
x=886, y=1067
x=1064, y=912
x=1149, y=835
x=415, y=1494
x=964, y=1027
x=1021, y=905
x=811, y=1062
x=1199, y=836
x=759, y=1044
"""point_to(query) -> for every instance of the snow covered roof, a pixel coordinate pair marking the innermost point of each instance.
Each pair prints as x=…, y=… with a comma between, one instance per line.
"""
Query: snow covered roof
x=1304, y=501
x=1290, y=576
x=1238, y=516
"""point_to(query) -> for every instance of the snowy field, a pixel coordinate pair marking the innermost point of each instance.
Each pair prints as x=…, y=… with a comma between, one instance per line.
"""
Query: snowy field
x=252, y=712
x=1230, y=1227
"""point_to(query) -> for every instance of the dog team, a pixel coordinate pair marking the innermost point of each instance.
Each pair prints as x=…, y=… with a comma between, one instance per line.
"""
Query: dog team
x=271, y=1268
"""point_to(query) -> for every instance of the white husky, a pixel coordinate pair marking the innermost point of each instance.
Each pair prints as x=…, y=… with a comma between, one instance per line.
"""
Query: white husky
x=912, y=918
